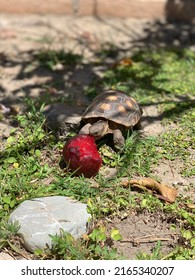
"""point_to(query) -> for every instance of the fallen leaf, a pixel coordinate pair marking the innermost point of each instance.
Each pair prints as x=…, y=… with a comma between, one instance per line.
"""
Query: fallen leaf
x=191, y=206
x=124, y=62
x=165, y=193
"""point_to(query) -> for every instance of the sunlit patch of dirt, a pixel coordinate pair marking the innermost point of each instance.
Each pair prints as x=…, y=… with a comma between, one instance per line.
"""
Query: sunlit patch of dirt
x=141, y=231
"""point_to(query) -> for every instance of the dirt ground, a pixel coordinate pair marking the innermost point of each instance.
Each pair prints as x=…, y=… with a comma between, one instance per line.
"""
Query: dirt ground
x=141, y=232
x=22, y=36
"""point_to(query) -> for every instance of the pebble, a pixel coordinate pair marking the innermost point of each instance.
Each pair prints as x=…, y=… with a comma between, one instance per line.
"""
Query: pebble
x=40, y=217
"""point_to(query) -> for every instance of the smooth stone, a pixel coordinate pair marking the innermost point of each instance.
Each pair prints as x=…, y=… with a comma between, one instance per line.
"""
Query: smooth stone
x=40, y=217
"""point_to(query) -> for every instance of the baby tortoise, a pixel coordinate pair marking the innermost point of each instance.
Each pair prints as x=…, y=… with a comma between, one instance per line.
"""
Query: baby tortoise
x=112, y=111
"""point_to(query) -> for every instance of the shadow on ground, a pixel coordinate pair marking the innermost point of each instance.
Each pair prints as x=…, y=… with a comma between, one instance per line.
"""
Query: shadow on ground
x=50, y=75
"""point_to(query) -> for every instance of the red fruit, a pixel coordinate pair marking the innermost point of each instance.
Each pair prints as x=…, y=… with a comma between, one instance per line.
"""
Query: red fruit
x=81, y=154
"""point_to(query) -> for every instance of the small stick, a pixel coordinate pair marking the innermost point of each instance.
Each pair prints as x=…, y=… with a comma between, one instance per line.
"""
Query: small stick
x=149, y=238
x=146, y=240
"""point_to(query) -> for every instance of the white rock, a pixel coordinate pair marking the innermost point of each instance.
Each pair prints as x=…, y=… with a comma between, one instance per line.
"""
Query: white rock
x=40, y=217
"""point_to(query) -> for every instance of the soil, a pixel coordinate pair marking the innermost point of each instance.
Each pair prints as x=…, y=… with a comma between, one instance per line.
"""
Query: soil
x=20, y=39
x=141, y=232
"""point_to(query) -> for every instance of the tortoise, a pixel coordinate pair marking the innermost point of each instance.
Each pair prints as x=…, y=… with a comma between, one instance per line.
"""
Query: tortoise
x=112, y=111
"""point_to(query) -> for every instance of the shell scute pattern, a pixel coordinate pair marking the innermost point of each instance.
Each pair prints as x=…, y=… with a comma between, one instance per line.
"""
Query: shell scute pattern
x=114, y=106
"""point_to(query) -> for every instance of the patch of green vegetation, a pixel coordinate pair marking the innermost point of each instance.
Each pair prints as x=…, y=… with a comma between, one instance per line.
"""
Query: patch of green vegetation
x=178, y=142
x=174, y=68
x=8, y=236
x=155, y=255
x=72, y=186
x=137, y=156
x=21, y=170
x=174, y=144
x=50, y=58
x=185, y=252
x=94, y=246
x=155, y=75
x=186, y=248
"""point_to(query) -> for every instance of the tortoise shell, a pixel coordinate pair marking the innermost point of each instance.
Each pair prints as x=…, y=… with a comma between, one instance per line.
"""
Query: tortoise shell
x=114, y=106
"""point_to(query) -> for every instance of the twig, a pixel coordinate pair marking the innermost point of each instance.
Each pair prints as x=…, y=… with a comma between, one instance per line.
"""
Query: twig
x=148, y=239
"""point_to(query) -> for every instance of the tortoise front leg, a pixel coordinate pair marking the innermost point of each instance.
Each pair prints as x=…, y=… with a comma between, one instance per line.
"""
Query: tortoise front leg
x=118, y=139
x=85, y=129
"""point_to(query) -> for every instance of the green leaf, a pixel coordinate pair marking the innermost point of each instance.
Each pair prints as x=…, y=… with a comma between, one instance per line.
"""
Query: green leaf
x=6, y=207
x=41, y=136
x=98, y=235
x=89, y=203
x=144, y=203
x=101, y=236
x=38, y=252
x=115, y=235
x=6, y=199
x=98, y=249
x=12, y=203
x=192, y=242
x=11, y=139
x=38, y=153
x=11, y=160
x=187, y=234
x=93, y=235
x=185, y=215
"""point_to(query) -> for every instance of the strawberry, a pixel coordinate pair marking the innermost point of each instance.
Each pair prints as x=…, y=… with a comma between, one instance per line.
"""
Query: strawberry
x=81, y=154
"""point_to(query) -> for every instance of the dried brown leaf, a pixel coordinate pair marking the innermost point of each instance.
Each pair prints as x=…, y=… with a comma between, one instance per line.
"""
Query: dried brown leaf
x=166, y=193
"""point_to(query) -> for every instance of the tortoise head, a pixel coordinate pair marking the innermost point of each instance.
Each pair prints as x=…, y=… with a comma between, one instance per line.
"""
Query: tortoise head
x=99, y=129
